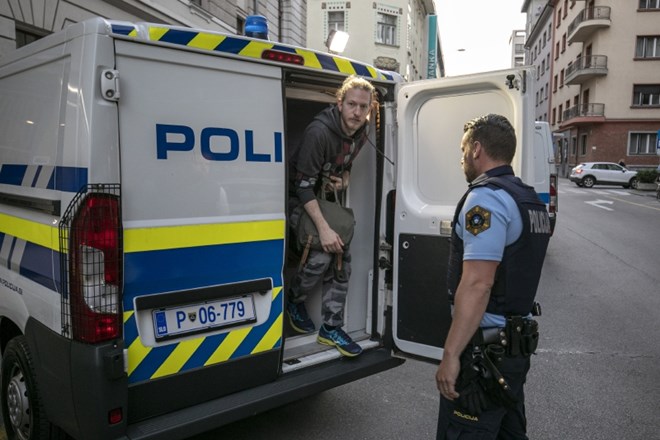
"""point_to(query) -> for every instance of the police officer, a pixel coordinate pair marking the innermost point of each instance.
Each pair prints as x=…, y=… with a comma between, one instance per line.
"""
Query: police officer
x=500, y=235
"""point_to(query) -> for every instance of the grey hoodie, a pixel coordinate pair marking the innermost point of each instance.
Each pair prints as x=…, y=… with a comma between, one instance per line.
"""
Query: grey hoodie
x=323, y=151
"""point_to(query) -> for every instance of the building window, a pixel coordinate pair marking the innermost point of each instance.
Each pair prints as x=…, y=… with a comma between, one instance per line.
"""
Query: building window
x=648, y=47
x=558, y=17
x=642, y=143
x=561, y=78
x=554, y=116
x=557, y=50
x=196, y=2
x=565, y=8
x=336, y=21
x=583, y=145
x=543, y=66
x=554, y=84
x=546, y=90
x=563, y=43
x=646, y=95
x=560, y=111
x=649, y=4
x=386, y=32
x=26, y=34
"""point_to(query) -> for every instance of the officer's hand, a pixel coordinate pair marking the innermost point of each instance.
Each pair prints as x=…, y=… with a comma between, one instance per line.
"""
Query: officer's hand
x=446, y=375
x=331, y=242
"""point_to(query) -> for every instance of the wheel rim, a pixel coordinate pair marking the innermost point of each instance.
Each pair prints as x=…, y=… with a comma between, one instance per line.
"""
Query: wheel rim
x=588, y=182
x=18, y=404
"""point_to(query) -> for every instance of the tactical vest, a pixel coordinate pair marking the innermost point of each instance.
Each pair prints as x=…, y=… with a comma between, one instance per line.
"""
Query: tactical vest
x=519, y=272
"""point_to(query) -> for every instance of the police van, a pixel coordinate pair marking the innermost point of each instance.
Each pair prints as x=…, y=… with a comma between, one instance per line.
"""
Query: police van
x=144, y=254
x=545, y=170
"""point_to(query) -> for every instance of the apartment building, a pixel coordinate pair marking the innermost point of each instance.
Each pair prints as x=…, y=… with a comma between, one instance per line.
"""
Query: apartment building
x=22, y=22
x=538, y=52
x=397, y=35
x=517, y=44
x=605, y=93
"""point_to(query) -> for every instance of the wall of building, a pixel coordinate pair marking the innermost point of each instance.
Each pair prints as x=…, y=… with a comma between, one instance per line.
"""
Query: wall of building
x=286, y=18
x=408, y=53
x=604, y=137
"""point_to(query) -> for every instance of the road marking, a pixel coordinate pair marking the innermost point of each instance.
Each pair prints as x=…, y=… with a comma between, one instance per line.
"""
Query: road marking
x=619, y=192
x=597, y=204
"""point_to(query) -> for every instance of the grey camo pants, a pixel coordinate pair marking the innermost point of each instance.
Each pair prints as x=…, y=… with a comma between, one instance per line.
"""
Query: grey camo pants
x=320, y=269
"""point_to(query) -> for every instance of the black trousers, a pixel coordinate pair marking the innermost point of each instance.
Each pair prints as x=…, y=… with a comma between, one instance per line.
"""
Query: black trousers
x=496, y=424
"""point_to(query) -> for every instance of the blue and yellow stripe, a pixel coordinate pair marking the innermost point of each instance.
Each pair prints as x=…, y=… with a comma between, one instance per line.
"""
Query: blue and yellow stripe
x=253, y=48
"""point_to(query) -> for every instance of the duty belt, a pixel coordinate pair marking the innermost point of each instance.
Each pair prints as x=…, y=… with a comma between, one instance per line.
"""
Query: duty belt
x=519, y=337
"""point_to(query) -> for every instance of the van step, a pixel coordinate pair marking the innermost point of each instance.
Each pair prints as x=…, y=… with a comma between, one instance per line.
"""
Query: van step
x=288, y=388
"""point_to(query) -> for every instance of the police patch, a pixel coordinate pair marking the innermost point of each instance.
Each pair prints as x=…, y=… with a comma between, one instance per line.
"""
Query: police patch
x=477, y=220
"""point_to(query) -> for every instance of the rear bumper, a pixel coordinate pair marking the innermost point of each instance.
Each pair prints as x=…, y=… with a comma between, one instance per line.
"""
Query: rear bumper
x=288, y=388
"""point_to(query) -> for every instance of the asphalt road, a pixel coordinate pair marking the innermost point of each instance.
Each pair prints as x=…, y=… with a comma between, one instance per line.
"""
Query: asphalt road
x=595, y=376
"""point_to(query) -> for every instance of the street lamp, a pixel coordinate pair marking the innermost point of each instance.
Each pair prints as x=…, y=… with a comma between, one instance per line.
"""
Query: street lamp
x=336, y=42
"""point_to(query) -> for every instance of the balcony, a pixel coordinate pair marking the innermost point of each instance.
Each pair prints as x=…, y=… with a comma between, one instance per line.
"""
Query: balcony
x=586, y=68
x=583, y=114
x=587, y=22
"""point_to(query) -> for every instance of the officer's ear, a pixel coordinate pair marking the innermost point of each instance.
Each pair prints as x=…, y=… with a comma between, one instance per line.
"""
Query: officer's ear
x=476, y=149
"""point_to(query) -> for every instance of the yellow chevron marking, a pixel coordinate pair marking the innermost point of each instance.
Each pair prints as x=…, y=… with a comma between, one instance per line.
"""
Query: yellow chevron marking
x=178, y=357
x=271, y=337
x=133, y=33
x=228, y=346
x=206, y=41
x=34, y=232
x=174, y=237
x=255, y=48
x=156, y=33
x=310, y=58
x=136, y=354
x=127, y=315
x=344, y=66
x=374, y=73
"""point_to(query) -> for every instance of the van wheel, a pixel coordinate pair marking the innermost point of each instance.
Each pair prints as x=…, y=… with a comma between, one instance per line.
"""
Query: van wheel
x=634, y=183
x=22, y=410
x=588, y=181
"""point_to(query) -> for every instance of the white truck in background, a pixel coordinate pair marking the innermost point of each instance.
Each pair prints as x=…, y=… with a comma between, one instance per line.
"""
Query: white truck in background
x=144, y=254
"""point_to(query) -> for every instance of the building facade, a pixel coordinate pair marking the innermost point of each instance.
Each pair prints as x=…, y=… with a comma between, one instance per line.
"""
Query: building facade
x=399, y=35
x=538, y=52
x=517, y=44
x=605, y=91
x=23, y=21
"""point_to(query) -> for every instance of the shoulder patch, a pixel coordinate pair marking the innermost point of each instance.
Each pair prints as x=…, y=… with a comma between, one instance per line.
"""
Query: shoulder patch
x=477, y=220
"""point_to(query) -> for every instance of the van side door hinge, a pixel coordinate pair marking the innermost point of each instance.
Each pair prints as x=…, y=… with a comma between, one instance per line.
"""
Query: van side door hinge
x=110, y=84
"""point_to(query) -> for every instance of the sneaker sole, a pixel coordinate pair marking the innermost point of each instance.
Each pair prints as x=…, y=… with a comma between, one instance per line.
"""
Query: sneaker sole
x=298, y=329
x=331, y=343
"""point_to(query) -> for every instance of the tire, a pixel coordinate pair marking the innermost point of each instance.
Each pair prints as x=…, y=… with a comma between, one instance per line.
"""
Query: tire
x=22, y=409
x=634, y=183
x=588, y=181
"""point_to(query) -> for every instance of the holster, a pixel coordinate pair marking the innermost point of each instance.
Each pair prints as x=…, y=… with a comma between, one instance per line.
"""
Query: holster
x=522, y=336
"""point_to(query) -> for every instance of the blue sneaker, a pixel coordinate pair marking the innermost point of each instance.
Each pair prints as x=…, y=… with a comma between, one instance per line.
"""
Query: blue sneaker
x=298, y=318
x=340, y=340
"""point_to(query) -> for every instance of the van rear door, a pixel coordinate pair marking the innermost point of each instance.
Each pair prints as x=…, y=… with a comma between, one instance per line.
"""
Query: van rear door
x=203, y=187
x=430, y=182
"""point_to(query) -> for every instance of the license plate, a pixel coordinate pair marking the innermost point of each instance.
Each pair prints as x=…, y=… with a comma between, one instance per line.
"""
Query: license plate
x=203, y=317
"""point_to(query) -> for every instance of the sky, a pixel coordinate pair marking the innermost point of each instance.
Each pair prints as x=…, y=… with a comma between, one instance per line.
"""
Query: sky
x=481, y=28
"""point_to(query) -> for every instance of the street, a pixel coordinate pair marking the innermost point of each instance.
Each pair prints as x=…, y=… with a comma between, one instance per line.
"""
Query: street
x=596, y=373
x=595, y=376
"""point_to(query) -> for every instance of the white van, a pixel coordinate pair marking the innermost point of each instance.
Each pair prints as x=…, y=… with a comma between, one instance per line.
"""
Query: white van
x=545, y=171
x=143, y=237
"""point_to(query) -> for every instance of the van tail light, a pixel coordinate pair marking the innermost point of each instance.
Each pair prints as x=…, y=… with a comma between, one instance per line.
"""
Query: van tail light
x=92, y=274
x=552, y=206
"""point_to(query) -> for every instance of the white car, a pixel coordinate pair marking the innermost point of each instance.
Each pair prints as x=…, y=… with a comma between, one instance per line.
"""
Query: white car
x=588, y=174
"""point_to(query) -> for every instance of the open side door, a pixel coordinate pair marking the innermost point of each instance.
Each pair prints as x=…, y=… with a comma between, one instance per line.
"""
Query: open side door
x=430, y=182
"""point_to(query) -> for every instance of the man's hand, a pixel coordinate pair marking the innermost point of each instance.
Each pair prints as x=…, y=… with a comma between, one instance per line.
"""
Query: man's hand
x=330, y=241
x=446, y=376
x=338, y=183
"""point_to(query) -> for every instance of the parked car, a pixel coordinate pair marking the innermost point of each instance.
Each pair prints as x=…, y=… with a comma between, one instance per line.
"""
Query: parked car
x=588, y=174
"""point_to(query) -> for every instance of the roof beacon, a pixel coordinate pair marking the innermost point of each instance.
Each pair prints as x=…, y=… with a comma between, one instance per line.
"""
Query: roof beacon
x=256, y=26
